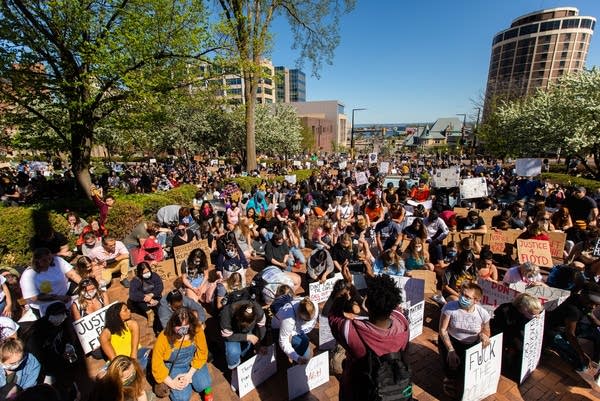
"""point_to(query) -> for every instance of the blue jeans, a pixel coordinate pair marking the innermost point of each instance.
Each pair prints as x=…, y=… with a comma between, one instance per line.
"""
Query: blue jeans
x=142, y=357
x=297, y=255
x=300, y=344
x=200, y=381
x=235, y=351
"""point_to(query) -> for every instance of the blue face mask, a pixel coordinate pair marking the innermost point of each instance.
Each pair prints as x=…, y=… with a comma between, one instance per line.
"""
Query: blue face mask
x=464, y=302
x=451, y=254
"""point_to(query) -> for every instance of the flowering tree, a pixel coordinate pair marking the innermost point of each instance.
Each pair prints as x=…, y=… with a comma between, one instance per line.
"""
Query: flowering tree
x=278, y=130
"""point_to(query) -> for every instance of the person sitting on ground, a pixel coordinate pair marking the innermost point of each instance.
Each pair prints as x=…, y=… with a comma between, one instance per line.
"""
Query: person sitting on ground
x=277, y=253
x=145, y=292
x=114, y=257
x=243, y=328
x=389, y=262
x=386, y=329
x=292, y=323
x=415, y=257
x=463, y=323
x=19, y=370
x=459, y=272
x=472, y=224
x=46, y=281
x=89, y=298
x=234, y=284
x=510, y=318
x=527, y=273
x=76, y=224
x=179, y=357
x=88, y=242
x=320, y=265
x=123, y=380
x=175, y=300
x=486, y=269
x=194, y=275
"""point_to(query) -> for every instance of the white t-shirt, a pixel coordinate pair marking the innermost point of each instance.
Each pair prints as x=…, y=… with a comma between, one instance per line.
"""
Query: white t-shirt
x=289, y=324
x=513, y=275
x=465, y=326
x=2, y=294
x=52, y=281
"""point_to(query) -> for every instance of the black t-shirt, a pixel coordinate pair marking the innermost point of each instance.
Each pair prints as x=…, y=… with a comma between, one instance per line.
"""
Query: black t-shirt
x=572, y=310
x=341, y=254
x=580, y=208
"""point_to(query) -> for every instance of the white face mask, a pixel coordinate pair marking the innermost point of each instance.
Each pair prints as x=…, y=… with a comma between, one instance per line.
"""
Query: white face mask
x=147, y=275
x=230, y=253
x=90, y=294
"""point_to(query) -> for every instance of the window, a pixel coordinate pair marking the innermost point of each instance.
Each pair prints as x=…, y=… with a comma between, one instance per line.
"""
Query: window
x=525, y=30
x=511, y=34
x=566, y=36
x=268, y=91
x=233, y=81
x=577, y=64
x=581, y=45
x=562, y=64
x=549, y=26
x=565, y=46
x=586, y=23
x=545, y=48
x=545, y=39
x=543, y=56
x=563, y=55
x=570, y=23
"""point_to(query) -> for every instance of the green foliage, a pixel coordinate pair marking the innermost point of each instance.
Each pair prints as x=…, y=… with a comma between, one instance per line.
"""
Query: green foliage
x=123, y=216
x=569, y=180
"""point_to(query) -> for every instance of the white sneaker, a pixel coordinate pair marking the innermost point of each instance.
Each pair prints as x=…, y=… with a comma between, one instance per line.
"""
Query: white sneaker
x=439, y=299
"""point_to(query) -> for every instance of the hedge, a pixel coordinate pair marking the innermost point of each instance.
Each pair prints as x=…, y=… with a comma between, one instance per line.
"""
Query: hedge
x=570, y=180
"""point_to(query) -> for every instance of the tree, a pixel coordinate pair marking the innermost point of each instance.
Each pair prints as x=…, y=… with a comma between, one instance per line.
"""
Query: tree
x=67, y=65
x=314, y=24
x=566, y=116
x=278, y=130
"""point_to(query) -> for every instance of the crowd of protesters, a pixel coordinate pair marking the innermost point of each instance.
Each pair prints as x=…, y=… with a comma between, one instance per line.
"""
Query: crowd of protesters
x=305, y=231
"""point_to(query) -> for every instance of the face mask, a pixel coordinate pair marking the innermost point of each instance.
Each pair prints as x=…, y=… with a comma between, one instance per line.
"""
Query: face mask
x=230, y=253
x=146, y=275
x=12, y=366
x=451, y=254
x=418, y=248
x=192, y=272
x=183, y=330
x=90, y=294
x=464, y=302
x=57, y=320
x=129, y=380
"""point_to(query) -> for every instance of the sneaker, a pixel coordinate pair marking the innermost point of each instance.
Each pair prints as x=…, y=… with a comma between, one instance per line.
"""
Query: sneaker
x=125, y=283
x=439, y=299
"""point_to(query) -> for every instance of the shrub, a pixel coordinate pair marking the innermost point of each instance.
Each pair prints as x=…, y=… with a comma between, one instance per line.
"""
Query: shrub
x=124, y=215
x=569, y=180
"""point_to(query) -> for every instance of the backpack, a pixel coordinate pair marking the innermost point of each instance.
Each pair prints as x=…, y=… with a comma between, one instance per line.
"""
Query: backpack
x=381, y=378
x=238, y=295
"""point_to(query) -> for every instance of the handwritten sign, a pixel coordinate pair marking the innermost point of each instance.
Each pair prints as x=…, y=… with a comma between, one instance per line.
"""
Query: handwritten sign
x=532, y=345
x=88, y=329
x=182, y=252
x=291, y=178
x=412, y=290
x=326, y=340
x=372, y=158
x=497, y=241
x=528, y=167
x=297, y=163
x=361, y=178
x=254, y=371
x=482, y=370
x=319, y=292
x=384, y=167
x=550, y=297
x=534, y=251
x=303, y=378
x=557, y=244
x=471, y=188
x=415, y=315
x=496, y=294
x=446, y=178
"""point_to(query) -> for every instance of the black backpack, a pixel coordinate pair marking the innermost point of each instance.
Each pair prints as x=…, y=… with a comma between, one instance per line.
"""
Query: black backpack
x=243, y=294
x=381, y=378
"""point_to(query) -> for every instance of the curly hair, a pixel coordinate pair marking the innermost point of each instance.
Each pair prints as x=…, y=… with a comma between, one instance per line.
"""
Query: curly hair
x=382, y=297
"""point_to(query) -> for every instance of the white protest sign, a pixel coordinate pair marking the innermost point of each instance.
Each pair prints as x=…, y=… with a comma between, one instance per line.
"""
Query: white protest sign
x=88, y=329
x=297, y=163
x=446, y=178
x=384, y=167
x=358, y=280
x=415, y=315
x=496, y=294
x=528, y=167
x=361, y=178
x=428, y=204
x=412, y=290
x=471, y=188
x=482, y=370
x=152, y=160
x=254, y=371
x=326, y=340
x=319, y=292
x=214, y=162
x=550, y=297
x=535, y=251
x=320, y=163
x=291, y=178
x=303, y=378
x=372, y=158
x=532, y=345
x=342, y=165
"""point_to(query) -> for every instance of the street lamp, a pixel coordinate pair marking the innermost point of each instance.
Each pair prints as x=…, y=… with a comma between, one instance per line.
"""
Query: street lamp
x=352, y=132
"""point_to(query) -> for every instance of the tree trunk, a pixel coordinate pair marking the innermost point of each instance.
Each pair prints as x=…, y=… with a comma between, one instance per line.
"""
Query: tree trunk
x=81, y=150
x=250, y=85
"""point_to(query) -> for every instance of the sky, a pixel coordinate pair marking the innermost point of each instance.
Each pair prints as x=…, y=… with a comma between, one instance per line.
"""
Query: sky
x=415, y=61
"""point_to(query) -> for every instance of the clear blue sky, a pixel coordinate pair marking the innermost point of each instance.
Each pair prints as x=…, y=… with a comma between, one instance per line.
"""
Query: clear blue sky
x=415, y=61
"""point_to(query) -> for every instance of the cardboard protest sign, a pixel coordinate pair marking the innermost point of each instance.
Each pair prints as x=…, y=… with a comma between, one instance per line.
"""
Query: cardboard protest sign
x=471, y=188
x=319, y=292
x=320, y=163
x=534, y=251
x=446, y=178
x=182, y=252
x=153, y=161
x=412, y=290
x=497, y=241
x=532, y=346
x=528, y=167
x=303, y=378
x=291, y=178
x=166, y=271
x=550, y=297
x=428, y=204
x=557, y=244
x=487, y=216
x=250, y=374
x=214, y=162
x=461, y=211
x=361, y=178
x=496, y=294
x=482, y=370
x=326, y=340
x=428, y=277
x=415, y=315
x=88, y=329
x=198, y=158
x=384, y=167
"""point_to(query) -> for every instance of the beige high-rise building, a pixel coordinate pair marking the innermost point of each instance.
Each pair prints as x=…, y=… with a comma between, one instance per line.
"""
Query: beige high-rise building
x=536, y=50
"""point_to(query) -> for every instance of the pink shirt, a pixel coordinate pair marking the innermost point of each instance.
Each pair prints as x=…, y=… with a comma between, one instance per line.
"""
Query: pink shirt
x=100, y=253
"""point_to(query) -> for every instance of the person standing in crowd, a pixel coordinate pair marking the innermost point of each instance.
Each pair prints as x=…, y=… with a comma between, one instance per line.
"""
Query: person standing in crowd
x=386, y=329
x=103, y=206
x=463, y=323
x=114, y=257
x=179, y=357
x=47, y=281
